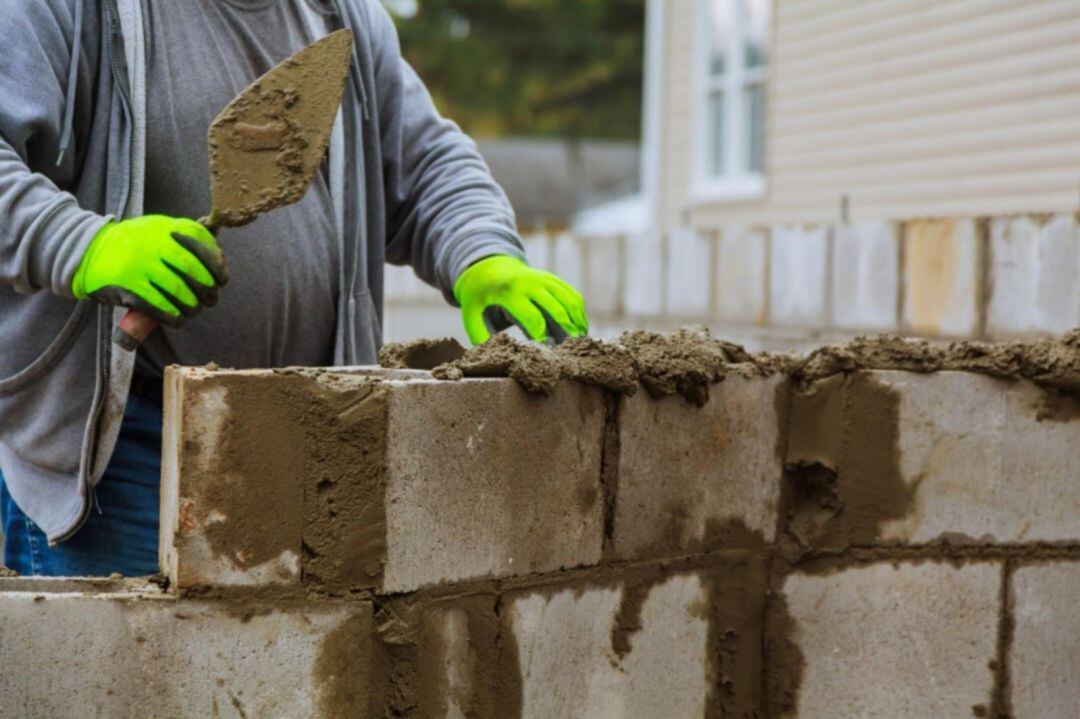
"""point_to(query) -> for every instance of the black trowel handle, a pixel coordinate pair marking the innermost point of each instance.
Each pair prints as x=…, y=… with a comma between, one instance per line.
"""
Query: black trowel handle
x=136, y=326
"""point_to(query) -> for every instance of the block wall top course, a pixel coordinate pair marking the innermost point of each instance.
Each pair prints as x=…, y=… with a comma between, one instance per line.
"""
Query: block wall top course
x=349, y=482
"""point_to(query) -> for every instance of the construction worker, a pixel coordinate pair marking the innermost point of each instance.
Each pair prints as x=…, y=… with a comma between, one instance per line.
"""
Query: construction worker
x=104, y=108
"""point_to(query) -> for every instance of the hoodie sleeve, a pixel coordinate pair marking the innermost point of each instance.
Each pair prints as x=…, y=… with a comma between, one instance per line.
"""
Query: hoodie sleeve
x=43, y=231
x=445, y=211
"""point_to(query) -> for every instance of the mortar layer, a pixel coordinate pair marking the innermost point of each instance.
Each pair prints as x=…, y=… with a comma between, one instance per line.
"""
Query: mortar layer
x=1050, y=362
x=688, y=361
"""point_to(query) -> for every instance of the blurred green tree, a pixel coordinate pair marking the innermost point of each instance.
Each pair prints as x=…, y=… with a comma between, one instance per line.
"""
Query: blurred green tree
x=567, y=68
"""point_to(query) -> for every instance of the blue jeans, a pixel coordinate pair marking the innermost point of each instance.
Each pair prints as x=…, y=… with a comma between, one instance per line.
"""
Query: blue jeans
x=121, y=534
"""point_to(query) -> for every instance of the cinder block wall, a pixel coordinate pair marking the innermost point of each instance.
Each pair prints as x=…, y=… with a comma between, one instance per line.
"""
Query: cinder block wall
x=794, y=286
x=377, y=543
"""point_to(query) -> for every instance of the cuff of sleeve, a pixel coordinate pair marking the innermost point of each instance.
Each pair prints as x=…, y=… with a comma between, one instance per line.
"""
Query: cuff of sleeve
x=471, y=249
x=66, y=233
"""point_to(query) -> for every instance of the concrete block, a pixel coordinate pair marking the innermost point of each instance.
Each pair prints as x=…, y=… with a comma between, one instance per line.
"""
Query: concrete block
x=692, y=479
x=131, y=654
x=614, y=651
x=569, y=255
x=798, y=276
x=643, y=641
x=1045, y=651
x=942, y=280
x=604, y=275
x=484, y=479
x=689, y=273
x=866, y=277
x=916, y=458
x=375, y=479
x=885, y=640
x=643, y=291
x=742, y=276
x=1034, y=276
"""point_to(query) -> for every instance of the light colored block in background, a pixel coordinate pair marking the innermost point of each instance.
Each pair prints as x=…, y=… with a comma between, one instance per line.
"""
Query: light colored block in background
x=798, y=276
x=742, y=276
x=604, y=275
x=402, y=285
x=570, y=668
x=885, y=640
x=1044, y=659
x=1034, y=276
x=643, y=291
x=569, y=259
x=685, y=472
x=689, y=268
x=134, y=655
x=539, y=250
x=942, y=281
x=984, y=464
x=866, y=276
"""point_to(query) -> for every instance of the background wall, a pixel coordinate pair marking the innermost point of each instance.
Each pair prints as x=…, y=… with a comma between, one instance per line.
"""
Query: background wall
x=909, y=107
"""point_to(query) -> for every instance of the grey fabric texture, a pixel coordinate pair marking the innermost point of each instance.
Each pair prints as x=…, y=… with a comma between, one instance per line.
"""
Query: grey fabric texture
x=406, y=186
x=280, y=307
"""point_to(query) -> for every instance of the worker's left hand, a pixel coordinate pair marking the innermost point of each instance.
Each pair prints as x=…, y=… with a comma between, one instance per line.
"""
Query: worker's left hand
x=532, y=298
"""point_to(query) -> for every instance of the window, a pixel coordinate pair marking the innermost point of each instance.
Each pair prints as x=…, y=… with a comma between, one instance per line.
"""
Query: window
x=733, y=67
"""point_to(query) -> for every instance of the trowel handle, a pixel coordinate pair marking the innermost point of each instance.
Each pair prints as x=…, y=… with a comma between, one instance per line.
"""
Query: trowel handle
x=135, y=326
x=133, y=329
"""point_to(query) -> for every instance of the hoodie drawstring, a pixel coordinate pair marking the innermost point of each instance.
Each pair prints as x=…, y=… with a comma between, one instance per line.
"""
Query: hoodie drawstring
x=72, y=84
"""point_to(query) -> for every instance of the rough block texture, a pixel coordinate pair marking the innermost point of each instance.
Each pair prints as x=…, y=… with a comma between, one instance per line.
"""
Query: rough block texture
x=571, y=669
x=798, y=276
x=741, y=276
x=942, y=280
x=363, y=480
x=689, y=271
x=694, y=478
x=1045, y=652
x=952, y=455
x=1034, y=276
x=914, y=640
x=484, y=479
x=136, y=655
x=866, y=277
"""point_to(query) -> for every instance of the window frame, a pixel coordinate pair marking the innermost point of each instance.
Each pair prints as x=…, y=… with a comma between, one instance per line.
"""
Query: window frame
x=735, y=184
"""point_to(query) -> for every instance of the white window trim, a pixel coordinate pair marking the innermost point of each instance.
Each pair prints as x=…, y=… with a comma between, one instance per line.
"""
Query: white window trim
x=734, y=186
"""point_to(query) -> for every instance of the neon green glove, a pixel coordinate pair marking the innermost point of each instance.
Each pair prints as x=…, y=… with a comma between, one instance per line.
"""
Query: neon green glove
x=169, y=268
x=539, y=302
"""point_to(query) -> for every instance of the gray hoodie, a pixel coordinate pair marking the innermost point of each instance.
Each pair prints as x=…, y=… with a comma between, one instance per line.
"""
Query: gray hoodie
x=408, y=187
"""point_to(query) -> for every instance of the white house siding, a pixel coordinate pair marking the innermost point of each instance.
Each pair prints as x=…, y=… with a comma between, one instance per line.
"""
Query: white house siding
x=910, y=107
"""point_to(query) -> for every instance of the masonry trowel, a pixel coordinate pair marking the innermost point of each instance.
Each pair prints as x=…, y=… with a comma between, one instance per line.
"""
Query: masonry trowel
x=267, y=144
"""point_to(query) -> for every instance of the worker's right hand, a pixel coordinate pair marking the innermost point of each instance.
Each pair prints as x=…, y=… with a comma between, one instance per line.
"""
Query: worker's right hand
x=169, y=268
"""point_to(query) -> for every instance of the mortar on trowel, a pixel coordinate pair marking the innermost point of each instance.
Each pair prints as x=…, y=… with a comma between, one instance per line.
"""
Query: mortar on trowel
x=267, y=144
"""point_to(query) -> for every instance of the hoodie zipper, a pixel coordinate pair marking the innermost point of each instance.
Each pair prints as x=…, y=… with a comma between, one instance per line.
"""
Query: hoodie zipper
x=90, y=438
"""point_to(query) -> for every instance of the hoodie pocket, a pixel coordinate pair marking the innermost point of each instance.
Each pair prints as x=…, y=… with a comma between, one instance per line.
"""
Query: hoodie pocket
x=52, y=354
